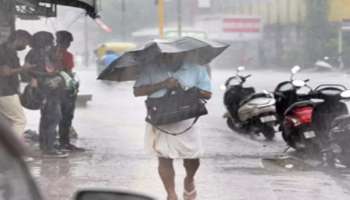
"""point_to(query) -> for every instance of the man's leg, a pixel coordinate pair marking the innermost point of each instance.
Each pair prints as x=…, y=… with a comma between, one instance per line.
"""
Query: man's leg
x=50, y=117
x=191, y=166
x=12, y=110
x=43, y=129
x=55, y=117
x=66, y=122
x=65, y=125
x=167, y=175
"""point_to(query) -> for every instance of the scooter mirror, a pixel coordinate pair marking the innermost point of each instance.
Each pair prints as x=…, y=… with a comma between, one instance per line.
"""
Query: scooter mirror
x=299, y=83
x=222, y=87
x=295, y=69
x=345, y=94
x=240, y=68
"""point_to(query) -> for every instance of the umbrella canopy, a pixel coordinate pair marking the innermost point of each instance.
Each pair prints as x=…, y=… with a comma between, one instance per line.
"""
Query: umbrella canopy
x=34, y=9
x=128, y=66
x=89, y=5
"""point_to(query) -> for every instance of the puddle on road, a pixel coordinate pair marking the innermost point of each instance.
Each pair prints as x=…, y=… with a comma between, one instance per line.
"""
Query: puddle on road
x=286, y=163
x=293, y=163
x=60, y=167
x=265, y=165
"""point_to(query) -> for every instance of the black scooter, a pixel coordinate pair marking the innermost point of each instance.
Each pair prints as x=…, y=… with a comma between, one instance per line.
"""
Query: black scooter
x=331, y=122
x=295, y=111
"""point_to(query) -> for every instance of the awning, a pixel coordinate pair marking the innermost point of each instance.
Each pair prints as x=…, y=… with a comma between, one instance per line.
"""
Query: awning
x=34, y=8
x=89, y=5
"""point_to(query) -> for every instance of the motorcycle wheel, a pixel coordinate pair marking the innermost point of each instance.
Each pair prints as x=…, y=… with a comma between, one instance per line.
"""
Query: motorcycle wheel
x=235, y=126
x=288, y=140
x=268, y=132
x=309, y=147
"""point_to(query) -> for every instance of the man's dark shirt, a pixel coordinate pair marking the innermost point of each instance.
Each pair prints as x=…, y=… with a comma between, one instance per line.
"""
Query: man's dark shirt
x=9, y=85
x=40, y=58
x=36, y=57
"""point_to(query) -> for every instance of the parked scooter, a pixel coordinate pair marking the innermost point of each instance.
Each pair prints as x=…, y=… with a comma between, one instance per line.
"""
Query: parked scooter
x=324, y=64
x=295, y=110
x=249, y=112
x=327, y=64
x=339, y=148
x=330, y=121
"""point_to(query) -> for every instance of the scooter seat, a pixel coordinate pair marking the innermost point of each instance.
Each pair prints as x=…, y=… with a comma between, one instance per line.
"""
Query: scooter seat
x=342, y=118
x=236, y=94
x=265, y=96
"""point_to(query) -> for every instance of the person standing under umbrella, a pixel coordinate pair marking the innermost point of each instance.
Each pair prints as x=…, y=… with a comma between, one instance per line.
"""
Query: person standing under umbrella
x=154, y=82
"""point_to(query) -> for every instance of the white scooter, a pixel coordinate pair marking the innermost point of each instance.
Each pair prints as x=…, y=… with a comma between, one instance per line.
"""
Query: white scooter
x=248, y=111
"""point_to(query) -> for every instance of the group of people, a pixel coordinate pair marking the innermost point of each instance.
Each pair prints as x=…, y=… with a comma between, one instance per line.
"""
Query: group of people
x=48, y=69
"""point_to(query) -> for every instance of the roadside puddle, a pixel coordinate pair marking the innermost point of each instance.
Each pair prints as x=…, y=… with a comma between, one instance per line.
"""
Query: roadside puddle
x=286, y=163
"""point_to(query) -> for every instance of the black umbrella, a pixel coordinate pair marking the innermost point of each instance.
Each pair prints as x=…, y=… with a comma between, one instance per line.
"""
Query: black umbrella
x=127, y=66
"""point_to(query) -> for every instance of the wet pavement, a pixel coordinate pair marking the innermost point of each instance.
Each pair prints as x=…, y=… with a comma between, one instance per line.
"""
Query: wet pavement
x=234, y=167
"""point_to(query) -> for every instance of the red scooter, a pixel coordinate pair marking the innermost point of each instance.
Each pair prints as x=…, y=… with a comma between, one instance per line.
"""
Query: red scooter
x=295, y=112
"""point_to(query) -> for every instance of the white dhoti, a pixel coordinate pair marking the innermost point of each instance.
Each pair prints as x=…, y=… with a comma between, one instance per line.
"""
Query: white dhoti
x=189, y=144
x=12, y=110
x=184, y=146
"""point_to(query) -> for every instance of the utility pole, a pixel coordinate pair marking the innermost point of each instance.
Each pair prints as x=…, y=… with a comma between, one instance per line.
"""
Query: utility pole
x=123, y=9
x=161, y=17
x=86, y=38
x=179, y=18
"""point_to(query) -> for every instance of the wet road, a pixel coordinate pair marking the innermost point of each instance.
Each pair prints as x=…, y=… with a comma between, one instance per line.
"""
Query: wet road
x=234, y=167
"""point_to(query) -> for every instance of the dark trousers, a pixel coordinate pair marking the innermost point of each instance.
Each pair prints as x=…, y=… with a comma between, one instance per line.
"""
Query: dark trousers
x=50, y=118
x=67, y=108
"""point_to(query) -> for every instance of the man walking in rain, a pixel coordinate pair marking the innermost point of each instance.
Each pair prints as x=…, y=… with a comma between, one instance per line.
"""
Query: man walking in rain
x=154, y=82
x=69, y=96
x=10, y=106
x=173, y=77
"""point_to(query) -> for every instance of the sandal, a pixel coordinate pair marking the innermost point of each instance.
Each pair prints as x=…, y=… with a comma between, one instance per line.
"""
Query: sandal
x=190, y=195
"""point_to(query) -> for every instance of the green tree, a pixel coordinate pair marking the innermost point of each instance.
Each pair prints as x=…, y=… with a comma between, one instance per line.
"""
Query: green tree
x=317, y=30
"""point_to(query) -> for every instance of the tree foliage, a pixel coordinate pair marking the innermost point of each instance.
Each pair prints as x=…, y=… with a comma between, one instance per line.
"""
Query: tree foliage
x=317, y=29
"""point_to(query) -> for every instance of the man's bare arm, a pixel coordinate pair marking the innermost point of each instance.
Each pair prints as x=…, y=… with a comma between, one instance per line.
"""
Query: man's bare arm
x=7, y=71
x=149, y=89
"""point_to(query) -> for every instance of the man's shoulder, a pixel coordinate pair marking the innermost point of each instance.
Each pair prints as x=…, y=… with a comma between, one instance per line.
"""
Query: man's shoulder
x=68, y=53
x=68, y=56
x=194, y=68
x=32, y=55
